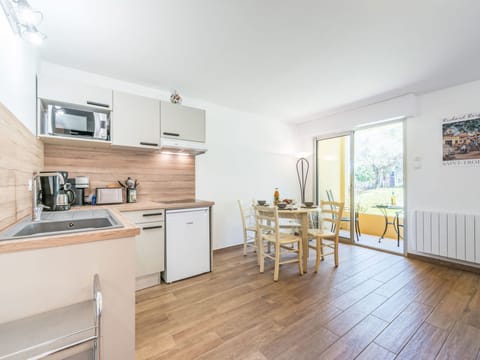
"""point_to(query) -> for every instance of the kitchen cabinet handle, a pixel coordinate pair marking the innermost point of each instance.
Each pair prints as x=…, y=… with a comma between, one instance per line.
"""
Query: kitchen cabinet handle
x=97, y=104
x=171, y=134
x=152, y=227
x=190, y=223
x=152, y=214
x=148, y=144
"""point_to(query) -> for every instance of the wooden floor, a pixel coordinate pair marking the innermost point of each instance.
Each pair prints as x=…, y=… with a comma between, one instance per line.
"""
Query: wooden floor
x=374, y=306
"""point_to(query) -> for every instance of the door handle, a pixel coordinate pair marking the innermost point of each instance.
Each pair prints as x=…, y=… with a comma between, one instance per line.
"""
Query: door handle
x=190, y=223
x=97, y=104
x=152, y=227
x=148, y=143
x=152, y=214
x=171, y=134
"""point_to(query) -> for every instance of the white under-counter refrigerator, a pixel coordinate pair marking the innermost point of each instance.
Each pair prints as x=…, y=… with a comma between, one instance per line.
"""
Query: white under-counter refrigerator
x=187, y=243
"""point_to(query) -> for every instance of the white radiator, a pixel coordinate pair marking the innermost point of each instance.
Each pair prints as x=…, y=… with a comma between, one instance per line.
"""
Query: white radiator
x=456, y=236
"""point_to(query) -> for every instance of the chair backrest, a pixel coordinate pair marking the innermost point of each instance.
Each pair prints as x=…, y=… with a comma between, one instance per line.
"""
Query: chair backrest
x=333, y=212
x=247, y=213
x=267, y=220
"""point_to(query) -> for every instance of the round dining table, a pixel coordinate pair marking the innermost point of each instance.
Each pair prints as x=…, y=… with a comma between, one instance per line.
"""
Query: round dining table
x=301, y=214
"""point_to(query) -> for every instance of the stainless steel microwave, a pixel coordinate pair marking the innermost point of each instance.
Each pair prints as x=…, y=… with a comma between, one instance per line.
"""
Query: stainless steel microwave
x=80, y=122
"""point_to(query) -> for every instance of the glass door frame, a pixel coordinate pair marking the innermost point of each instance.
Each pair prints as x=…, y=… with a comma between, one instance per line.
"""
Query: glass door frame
x=402, y=120
x=350, y=135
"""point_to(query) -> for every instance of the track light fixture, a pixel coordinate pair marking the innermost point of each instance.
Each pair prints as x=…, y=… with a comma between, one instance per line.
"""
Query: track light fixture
x=23, y=20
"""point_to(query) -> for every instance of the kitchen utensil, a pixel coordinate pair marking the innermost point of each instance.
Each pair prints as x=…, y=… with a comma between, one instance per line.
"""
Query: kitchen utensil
x=131, y=188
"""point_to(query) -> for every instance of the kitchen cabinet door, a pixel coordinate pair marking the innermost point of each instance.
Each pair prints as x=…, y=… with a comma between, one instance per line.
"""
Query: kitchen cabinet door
x=182, y=122
x=135, y=121
x=150, y=247
x=71, y=92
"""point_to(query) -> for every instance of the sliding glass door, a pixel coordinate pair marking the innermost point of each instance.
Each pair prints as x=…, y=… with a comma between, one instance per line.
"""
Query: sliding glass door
x=365, y=170
x=334, y=177
x=379, y=185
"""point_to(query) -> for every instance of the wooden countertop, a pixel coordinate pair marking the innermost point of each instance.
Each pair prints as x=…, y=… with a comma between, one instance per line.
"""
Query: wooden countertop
x=150, y=205
x=129, y=229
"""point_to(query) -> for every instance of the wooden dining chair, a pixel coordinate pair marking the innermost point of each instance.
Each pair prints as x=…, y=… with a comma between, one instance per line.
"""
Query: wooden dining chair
x=325, y=239
x=249, y=226
x=346, y=219
x=269, y=229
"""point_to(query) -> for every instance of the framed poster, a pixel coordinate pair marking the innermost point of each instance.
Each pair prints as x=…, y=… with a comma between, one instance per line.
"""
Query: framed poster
x=461, y=140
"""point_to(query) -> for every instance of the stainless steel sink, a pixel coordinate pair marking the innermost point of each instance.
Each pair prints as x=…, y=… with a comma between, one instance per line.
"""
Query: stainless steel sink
x=59, y=223
x=66, y=225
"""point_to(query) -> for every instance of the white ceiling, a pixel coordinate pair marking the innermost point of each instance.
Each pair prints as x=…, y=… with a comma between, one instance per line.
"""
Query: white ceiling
x=286, y=59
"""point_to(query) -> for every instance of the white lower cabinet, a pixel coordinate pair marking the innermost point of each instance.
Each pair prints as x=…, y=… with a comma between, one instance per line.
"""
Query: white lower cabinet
x=150, y=246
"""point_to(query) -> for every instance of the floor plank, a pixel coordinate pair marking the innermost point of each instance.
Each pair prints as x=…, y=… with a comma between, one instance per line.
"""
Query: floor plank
x=375, y=352
x=425, y=344
x=462, y=343
x=403, y=327
x=356, y=340
x=373, y=306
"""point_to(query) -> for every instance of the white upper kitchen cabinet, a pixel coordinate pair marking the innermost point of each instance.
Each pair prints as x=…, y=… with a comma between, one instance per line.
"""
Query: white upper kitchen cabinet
x=182, y=122
x=73, y=92
x=135, y=121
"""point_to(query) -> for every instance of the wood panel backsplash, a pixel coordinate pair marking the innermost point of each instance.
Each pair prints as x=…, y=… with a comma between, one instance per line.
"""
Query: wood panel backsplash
x=161, y=176
x=21, y=154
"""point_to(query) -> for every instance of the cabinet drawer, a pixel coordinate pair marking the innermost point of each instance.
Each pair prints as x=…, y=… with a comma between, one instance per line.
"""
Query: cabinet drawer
x=145, y=216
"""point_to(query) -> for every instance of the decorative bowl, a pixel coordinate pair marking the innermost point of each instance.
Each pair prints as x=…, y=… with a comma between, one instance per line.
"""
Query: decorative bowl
x=261, y=202
x=282, y=205
x=308, y=203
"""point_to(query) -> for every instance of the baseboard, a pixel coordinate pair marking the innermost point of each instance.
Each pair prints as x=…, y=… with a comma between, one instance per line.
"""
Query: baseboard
x=227, y=248
x=447, y=263
x=147, y=281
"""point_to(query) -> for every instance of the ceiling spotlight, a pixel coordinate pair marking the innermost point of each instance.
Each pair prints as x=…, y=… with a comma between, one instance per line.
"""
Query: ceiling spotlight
x=24, y=20
x=32, y=35
x=26, y=15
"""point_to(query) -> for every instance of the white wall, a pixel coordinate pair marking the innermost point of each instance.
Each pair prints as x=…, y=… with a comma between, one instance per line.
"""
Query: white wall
x=248, y=155
x=434, y=186
x=348, y=120
x=18, y=67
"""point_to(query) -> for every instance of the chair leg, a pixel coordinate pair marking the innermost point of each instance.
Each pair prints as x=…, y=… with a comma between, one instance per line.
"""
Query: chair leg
x=300, y=257
x=321, y=249
x=319, y=253
x=245, y=237
x=261, y=257
x=336, y=252
x=277, y=261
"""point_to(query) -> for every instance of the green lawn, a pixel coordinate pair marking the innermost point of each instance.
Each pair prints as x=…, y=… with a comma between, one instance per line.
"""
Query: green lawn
x=369, y=198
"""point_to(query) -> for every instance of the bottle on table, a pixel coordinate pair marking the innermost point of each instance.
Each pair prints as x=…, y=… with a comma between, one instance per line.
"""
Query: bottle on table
x=276, y=196
x=393, y=199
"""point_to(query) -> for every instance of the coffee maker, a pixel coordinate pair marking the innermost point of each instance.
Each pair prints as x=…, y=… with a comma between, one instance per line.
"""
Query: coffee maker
x=56, y=193
x=79, y=184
